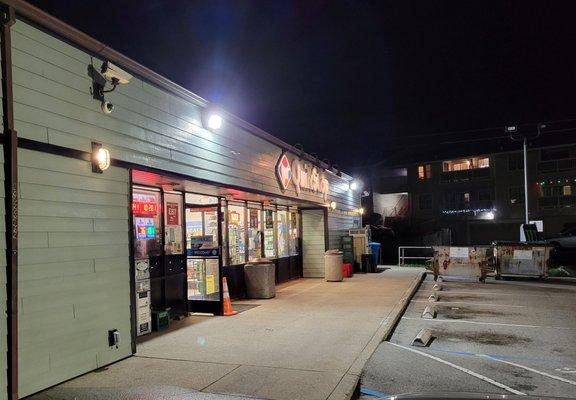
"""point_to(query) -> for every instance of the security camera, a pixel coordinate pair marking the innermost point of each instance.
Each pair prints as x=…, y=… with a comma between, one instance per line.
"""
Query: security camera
x=115, y=74
x=107, y=107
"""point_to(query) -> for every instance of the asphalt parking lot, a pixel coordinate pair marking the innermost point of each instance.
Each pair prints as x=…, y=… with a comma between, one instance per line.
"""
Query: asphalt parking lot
x=504, y=337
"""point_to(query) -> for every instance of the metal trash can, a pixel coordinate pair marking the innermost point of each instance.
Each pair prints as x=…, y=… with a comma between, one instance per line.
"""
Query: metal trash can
x=333, y=266
x=522, y=258
x=260, y=279
x=367, y=264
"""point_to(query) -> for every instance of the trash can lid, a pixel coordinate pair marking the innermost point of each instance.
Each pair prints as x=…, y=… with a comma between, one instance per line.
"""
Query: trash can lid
x=260, y=260
x=333, y=252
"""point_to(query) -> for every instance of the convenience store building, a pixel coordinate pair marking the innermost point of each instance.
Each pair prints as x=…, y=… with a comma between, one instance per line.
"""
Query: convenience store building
x=90, y=197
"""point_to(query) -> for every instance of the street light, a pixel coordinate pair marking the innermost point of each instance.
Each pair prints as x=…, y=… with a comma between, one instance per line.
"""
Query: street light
x=512, y=130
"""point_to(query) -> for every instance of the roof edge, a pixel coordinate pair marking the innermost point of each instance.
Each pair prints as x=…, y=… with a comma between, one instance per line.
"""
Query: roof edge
x=81, y=39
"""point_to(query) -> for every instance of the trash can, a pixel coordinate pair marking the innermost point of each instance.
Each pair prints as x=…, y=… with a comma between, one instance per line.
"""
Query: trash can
x=333, y=265
x=260, y=279
x=375, y=247
x=367, y=263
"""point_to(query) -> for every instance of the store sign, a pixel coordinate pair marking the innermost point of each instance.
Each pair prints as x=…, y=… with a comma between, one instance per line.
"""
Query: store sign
x=147, y=231
x=302, y=175
x=172, y=212
x=144, y=208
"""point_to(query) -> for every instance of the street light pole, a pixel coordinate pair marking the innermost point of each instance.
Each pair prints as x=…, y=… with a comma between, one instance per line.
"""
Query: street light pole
x=526, y=181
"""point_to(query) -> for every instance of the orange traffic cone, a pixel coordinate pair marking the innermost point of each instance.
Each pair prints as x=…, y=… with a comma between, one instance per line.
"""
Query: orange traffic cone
x=228, y=310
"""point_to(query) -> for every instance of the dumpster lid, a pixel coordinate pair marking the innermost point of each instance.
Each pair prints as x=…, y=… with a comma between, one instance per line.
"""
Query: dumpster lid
x=539, y=243
x=334, y=252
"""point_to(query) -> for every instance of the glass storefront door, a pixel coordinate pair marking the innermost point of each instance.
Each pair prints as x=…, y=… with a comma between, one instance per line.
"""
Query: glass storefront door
x=203, y=249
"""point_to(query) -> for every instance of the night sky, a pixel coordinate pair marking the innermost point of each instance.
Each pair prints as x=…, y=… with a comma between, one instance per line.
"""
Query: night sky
x=356, y=81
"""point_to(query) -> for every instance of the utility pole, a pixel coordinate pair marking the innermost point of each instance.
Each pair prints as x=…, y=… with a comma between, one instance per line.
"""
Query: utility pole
x=526, y=209
x=514, y=135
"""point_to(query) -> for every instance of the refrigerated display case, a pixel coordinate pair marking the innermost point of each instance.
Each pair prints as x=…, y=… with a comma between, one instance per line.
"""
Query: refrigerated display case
x=293, y=233
x=254, y=232
x=282, y=233
x=237, y=234
x=269, y=233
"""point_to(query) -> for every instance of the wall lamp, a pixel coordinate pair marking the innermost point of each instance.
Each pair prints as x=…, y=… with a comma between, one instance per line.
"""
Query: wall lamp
x=332, y=205
x=212, y=119
x=354, y=185
x=100, y=158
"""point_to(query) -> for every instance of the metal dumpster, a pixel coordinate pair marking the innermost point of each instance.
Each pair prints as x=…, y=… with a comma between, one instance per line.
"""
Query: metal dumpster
x=522, y=258
x=462, y=262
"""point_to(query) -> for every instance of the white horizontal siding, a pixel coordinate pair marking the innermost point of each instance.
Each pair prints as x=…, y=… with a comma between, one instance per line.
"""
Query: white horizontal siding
x=149, y=126
x=338, y=225
x=313, y=245
x=74, y=282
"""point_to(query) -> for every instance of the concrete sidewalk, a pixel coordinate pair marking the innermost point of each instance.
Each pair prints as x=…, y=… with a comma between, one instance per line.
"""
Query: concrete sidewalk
x=310, y=342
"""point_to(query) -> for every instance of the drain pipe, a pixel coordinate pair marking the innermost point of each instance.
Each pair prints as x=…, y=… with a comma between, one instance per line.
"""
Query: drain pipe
x=10, y=137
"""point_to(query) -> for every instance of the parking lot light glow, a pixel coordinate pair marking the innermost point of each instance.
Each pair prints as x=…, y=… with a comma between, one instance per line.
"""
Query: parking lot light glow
x=214, y=121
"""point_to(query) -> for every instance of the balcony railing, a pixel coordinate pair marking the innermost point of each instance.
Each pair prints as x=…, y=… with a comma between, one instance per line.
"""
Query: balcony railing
x=465, y=175
x=567, y=164
x=557, y=201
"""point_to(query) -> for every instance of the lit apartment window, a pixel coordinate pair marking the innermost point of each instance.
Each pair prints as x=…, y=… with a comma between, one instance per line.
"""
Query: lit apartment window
x=482, y=162
x=567, y=190
x=424, y=171
x=465, y=164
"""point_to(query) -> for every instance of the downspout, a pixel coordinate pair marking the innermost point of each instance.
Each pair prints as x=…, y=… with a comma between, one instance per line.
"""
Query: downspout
x=11, y=200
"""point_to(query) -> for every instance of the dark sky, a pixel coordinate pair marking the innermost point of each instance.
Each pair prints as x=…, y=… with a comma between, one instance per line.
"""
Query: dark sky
x=353, y=81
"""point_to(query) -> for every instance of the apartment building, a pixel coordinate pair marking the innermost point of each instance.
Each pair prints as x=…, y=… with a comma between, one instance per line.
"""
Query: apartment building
x=479, y=198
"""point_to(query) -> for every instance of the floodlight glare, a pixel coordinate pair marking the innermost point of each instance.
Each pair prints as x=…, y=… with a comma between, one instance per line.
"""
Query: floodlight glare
x=354, y=185
x=214, y=121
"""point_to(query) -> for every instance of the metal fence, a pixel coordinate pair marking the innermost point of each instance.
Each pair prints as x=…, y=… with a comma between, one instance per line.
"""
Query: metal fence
x=402, y=257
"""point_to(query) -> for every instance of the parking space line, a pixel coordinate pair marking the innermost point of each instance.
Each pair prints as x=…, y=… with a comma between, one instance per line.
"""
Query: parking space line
x=471, y=303
x=558, y=378
x=459, y=321
x=465, y=370
x=492, y=293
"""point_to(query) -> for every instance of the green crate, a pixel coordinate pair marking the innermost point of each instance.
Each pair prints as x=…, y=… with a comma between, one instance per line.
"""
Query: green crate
x=160, y=320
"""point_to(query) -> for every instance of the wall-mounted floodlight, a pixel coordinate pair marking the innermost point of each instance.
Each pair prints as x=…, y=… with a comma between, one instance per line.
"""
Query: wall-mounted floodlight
x=333, y=205
x=100, y=158
x=511, y=129
x=354, y=185
x=214, y=121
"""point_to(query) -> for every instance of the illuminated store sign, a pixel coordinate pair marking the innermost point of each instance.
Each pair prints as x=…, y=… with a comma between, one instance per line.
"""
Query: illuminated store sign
x=302, y=175
x=146, y=208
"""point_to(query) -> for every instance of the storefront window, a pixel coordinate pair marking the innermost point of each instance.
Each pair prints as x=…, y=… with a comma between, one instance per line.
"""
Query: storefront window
x=146, y=210
x=269, y=234
x=282, y=227
x=293, y=232
x=254, y=232
x=202, y=250
x=174, y=239
x=236, y=234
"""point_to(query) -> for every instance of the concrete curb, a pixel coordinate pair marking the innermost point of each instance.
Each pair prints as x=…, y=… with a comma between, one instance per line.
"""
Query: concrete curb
x=347, y=388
